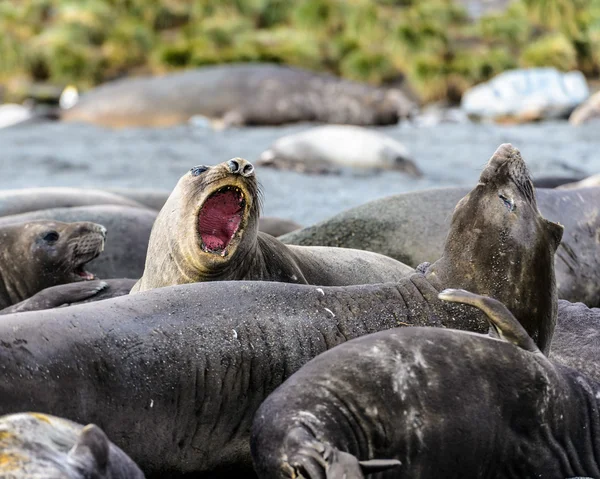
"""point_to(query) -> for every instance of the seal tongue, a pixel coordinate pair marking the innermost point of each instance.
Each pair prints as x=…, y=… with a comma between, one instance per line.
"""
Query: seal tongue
x=220, y=218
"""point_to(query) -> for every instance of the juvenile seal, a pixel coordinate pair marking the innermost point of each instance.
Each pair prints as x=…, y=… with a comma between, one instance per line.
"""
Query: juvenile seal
x=128, y=227
x=208, y=231
x=40, y=254
x=239, y=94
x=163, y=351
x=412, y=228
x=13, y=202
x=39, y=445
x=396, y=398
x=326, y=149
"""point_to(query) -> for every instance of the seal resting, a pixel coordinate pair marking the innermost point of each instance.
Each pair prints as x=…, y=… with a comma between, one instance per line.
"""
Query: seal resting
x=498, y=409
x=37, y=445
x=183, y=369
x=236, y=95
x=13, y=202
x=412, y=228
x=208, y=231
x=326, y=149
x=40, y=254
x=129, y=229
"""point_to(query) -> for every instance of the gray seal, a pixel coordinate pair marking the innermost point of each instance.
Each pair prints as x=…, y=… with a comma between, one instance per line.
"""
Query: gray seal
x=186, y=367
x=38, y=445
x=412, y=228
x=239, y=94
x=208, y=231
x=430, y=403
x=40, y=254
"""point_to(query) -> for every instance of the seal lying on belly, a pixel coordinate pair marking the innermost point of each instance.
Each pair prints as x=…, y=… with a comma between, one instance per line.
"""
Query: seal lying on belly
x=394, y=400
x=412, y=228
x=40, y=446
x=182, y=370
x=129, y=230
x=208, y=231
x=239, y=94
x=40, y=254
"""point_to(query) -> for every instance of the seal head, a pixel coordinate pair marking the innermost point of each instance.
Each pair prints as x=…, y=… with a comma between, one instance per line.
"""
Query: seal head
x=204, y=225
x=492, y=225
x=40, y=254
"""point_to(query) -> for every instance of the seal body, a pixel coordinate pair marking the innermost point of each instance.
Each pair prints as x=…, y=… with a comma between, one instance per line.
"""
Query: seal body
x=239, y=94
x=40, y=254
x=128, y=229
x=327, y=148
x=163, y=351
x=13, y=202
x=208, y=231
x=427, y=416
x=395, y=227
x=149, y=197
x=39, y=445
x=587, y=112
x=277, y=226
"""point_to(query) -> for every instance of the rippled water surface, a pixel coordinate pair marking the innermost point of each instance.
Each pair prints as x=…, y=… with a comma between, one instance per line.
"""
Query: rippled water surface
x=55, y=154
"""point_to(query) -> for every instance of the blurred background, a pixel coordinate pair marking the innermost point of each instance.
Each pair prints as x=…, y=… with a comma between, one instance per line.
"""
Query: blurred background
x=471, y=73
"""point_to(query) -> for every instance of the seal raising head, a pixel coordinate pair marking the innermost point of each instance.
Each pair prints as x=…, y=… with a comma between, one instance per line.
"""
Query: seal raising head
x=203, y=224
x=498, y=224
x=40, y=254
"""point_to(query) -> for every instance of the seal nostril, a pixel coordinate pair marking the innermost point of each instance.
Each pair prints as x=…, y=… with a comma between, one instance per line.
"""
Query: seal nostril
x=234, y=166
x=248, y=169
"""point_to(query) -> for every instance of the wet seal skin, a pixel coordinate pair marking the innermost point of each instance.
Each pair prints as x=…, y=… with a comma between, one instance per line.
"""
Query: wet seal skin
x=34, y=445
x=40, y=254
x=186, y=367
x=208, y=231
x=393, y=400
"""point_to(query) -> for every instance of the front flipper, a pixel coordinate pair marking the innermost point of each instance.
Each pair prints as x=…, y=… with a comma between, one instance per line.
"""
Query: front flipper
x=56, y=296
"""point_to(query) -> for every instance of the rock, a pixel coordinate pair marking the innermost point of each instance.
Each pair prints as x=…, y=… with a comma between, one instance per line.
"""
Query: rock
x=586, y=112
x=526, y=95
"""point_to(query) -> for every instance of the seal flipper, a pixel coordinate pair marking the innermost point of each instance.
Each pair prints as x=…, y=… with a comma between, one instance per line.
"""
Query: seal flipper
x=90, y=452
x=501, y=319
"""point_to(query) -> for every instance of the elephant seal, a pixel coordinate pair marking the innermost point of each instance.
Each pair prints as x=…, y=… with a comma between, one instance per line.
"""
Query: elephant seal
x=72, y=293
x=325, y=149
x=185, y=367
x=236, y=95
x=149, y=197
x=13, y=202
x=555, y=181
x=38, y=445
x=590, y=181
x=394, y=226
x=208, y=231
x=588, y=111
x=40, y=254
x=498, y=408
x=274, y=226
x=128, y=227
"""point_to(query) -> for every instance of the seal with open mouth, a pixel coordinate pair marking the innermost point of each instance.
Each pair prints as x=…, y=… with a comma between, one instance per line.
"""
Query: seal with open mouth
x=40, y=254
x=208, y=231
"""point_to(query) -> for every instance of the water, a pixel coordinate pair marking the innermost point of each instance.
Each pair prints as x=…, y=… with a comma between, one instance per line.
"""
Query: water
x=55, y=154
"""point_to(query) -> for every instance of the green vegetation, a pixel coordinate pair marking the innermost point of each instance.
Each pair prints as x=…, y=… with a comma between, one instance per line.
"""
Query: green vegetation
x=431, y=43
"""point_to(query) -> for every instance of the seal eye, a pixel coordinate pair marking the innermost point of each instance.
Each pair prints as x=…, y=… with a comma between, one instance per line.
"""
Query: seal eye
x=50, y=237
x=198, y=170
x=508, y=202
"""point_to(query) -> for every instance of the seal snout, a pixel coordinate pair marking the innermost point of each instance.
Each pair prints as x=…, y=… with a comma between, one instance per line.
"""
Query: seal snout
x=241, y=167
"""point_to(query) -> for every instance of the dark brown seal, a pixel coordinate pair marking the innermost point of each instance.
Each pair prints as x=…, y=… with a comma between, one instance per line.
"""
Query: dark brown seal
x=40, y=254
x=208, y=231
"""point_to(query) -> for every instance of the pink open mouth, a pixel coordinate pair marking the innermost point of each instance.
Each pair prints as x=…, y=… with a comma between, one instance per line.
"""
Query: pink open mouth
x=79, y=272
x=220, y=218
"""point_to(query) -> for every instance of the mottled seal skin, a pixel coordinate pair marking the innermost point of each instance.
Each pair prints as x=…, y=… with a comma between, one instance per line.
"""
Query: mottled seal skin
x=497, y=409
x=36, y=445
x=239, y=94
x=128, y=231
x=329, y=148
x=412, y=228
x=40, y=254
x=72, y=293
x=208, y=231
x=183, y=369
x=13, y=202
